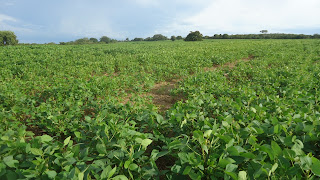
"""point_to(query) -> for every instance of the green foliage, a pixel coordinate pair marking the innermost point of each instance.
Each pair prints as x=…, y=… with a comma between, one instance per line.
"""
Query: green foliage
x=82, y=41
x=105, y=39
x=179, y=38
x=194, y=36
x=94, y=40
x=63, y=115
x=156, y=37
x=173, y=38
x=159, y=37
x=264, y=35
x=8, y=38
x=137, y=39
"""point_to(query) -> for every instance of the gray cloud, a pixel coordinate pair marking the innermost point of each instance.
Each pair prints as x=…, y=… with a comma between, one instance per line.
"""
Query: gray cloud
x=60, y=20
x=249, y=16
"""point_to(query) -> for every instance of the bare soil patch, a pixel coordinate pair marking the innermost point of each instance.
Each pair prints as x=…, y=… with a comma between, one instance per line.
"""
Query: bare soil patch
x=161, y=92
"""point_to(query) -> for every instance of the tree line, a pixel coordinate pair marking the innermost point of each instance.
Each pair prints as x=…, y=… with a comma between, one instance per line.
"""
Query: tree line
x=85, y=40
x=9, y=38
x=197, y=36
x=263, y=36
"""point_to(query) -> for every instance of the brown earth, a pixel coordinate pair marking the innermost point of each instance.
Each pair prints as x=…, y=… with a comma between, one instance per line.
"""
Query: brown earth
x=161, y=92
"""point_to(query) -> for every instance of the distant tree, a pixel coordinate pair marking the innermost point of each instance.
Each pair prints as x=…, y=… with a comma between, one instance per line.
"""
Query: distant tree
x=81, y=41
x=113, y=41
x=127, y=39
x=217, y=36
x=105, y=39
x=225, y=36
x=179, y=38
x=148, y=39
x=94, y=40
x=194, y=36
x=316, y=36
x=8, y=38
x=264, y=31
x=137, y=39
x=159, y=37
x=173, y=38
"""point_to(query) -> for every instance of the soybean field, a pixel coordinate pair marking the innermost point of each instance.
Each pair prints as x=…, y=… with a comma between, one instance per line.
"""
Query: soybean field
x=215, y=109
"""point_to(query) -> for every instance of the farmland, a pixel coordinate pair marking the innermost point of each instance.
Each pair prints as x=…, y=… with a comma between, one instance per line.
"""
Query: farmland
x=217, y=109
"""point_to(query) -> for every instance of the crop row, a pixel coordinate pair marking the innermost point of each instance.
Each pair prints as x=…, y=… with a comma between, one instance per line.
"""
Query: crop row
x=62, y=115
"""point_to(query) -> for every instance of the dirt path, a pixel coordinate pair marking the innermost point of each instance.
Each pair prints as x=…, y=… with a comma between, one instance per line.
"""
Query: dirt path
x=161, y=92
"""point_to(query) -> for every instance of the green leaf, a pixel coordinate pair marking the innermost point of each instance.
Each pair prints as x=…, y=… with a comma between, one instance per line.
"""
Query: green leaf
x=155, y=154
x=187, y=170
x=111, y=173
x=194, y=176
x=138, y=140
x=306, y=162
x=224, y=162
x=233, y=151
x=105, y=172
x=88, y=119
x=266, y=148
x=198, y=134
x=51, y=174
x=133, y=167
x=233, y=175
x=10, y=161
x=315, y=168
x=120, y=177
x=225, y=124
x=80, y=176
x=207, y=133
x=205, y=148
x=289, y=154
x=276, y=129
x=273, y=169
x=159, y=118
x=37, y=152
x=176, y=168
x=248, y=155
x=46, y=138
x=231, y=168
x=66, y=141
x=146, y=142
x=296, y=116
x=101, y=148
x=276, y=148
x=242, y=175
x=11, y=175
x=297, y=147
x=229, y=119
x=126, y=164
x=78, y=134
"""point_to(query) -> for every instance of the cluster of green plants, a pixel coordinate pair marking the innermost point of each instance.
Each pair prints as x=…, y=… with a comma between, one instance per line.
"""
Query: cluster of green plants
x=63, y=112
x=8, y=38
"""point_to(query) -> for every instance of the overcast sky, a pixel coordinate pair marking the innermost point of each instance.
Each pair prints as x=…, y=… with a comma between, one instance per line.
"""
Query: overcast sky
x=42, y=21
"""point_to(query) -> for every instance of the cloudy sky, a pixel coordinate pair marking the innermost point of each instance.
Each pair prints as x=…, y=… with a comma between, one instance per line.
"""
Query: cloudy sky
x=42, y=21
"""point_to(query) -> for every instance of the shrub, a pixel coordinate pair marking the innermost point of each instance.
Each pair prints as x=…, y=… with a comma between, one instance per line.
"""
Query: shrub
x=194, y=36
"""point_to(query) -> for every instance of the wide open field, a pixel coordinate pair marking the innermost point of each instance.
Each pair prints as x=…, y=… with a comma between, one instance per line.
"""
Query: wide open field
x=223, y=109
